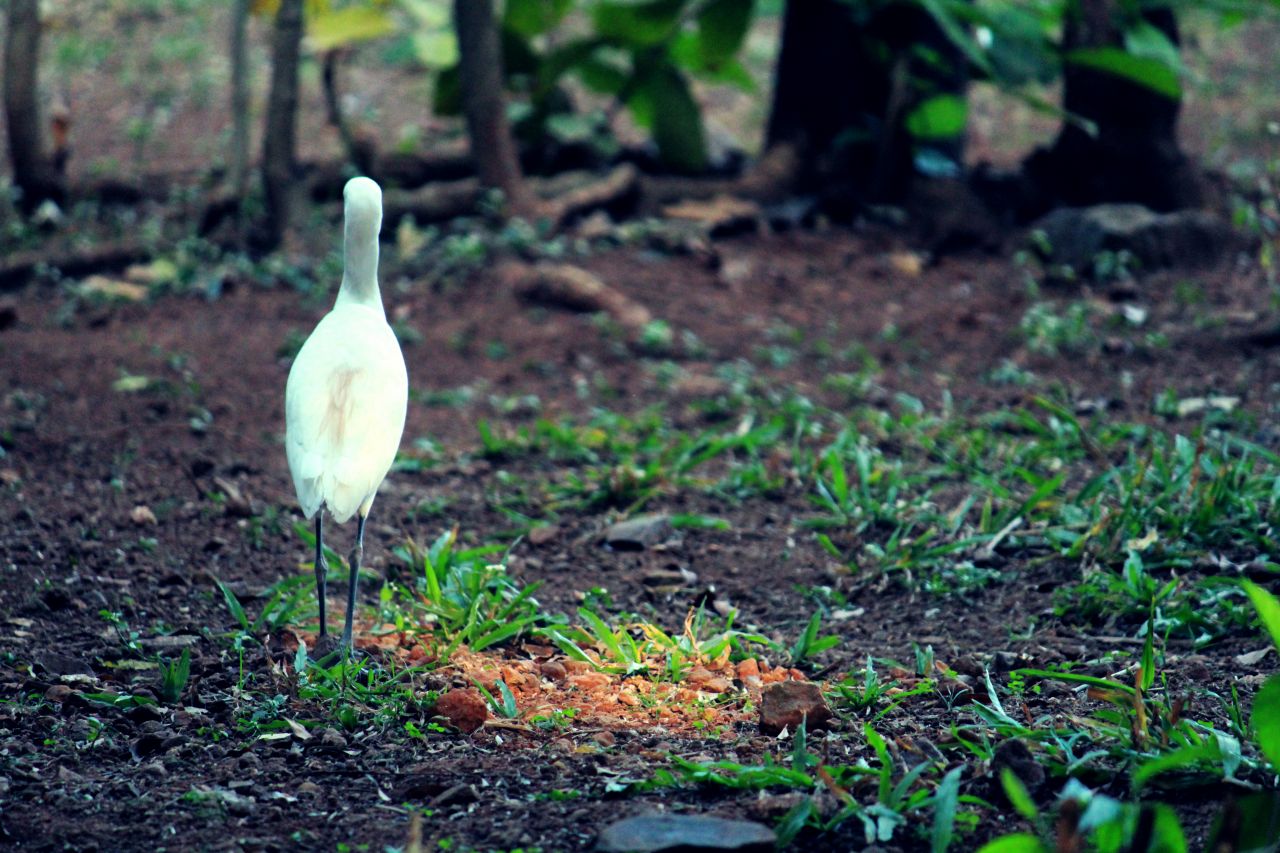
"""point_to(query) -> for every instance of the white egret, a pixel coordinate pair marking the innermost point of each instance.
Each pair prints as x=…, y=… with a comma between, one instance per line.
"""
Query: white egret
x=346, y=396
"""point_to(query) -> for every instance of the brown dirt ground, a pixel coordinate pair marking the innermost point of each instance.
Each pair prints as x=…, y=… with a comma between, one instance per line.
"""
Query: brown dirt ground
x=80, y=457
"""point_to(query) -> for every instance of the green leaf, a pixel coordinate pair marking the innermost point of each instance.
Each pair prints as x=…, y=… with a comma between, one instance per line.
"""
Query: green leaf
x=509, y=707
x=1266, y=720
x=1149, y=42
x=602, y=77
x=1167, y=834
x=795, y=820
x=722, y=26
x=1149, y=651
x=1185, y=758
x=1145, y=71
x=663, y=102
x=534, y=17
x=799, y=749
x=1022, y=50
x=1077, y=678
x=1019, y=842
x=939, y=117
x=957, y=33
x=1017, y=794
x=1268, y=607
x=427, y=14
x=347, y=26
x=639, y=24
x=435, y=48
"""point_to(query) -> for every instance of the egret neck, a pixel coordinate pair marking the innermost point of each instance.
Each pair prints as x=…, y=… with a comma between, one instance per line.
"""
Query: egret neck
x=363, y=213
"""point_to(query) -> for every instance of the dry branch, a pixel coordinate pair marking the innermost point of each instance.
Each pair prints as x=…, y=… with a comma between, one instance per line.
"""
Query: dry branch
x=435, y=202
x=567, y=286
x=619, y=188
x=16, y=268
x=444, y=200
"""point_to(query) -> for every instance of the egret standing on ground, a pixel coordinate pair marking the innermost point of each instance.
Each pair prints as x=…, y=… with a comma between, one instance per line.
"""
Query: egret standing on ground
x=346, y=396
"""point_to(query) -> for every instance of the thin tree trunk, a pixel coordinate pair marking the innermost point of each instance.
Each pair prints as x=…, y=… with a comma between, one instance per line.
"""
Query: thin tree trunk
x=845, y=85
x=360, y=151
x=480, y=65
x=33, y=171
x=280, y=144
x=239, y=161
x=1134, y=155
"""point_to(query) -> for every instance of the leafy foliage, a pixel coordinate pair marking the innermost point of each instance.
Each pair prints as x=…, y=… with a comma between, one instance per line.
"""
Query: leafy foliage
x=466, y=600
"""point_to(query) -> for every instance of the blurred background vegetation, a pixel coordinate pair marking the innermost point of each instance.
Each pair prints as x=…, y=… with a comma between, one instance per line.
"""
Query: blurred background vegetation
x=228, y=114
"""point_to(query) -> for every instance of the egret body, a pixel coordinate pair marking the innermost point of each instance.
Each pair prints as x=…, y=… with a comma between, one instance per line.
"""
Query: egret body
x=346, y=396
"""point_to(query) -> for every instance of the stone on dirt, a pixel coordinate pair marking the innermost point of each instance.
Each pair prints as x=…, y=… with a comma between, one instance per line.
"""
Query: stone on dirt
x=785, y=704
x=668, y=832
x=1077, y=236
x=636, y=534
x=1014, y=755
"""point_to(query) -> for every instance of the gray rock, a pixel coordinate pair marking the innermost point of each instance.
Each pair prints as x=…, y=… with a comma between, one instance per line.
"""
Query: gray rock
x=55, y=663
x=667, y=833
x=636, y=534
x=1078, y=236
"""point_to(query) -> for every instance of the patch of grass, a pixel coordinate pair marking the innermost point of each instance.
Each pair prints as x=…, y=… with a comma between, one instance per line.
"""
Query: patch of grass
x=1141, y=731
x=887, y=799
x=641, y=647
x=174, y=676
x=459, y=598
x=1048, y=329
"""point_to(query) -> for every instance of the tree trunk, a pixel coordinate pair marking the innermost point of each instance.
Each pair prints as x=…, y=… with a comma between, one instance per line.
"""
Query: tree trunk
x=238, y=160
x=846, y=80
x=280, y=144
x=238, y=177
x=817, y=56
x=480, y=67
x=1134, y=156
x=33, y=171
x=361, y=150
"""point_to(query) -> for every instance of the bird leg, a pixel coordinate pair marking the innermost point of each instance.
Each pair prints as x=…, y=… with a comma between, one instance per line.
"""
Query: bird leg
x=322, y=571
x=357, y=554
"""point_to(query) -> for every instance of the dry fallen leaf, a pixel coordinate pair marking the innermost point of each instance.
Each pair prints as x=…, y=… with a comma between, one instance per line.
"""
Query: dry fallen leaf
x=142, y=514
x=907, y=263
x=1252, y=658
x=97, y=285
x=299, y=730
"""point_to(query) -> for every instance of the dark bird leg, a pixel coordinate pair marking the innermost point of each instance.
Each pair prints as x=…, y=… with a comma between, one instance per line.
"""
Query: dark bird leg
x=322, y=571
x=357, y=554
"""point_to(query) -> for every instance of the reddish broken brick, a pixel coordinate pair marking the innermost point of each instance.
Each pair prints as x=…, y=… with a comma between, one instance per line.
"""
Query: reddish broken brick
x=465, y=710
x=785, y=704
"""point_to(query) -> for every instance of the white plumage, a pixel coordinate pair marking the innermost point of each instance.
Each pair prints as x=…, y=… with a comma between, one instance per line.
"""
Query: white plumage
x=345, y=408
x=347, y=392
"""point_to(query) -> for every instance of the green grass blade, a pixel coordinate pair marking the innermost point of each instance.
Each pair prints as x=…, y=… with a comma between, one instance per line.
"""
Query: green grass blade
x=1268, y=607
x=233, y=604
x=945, y=802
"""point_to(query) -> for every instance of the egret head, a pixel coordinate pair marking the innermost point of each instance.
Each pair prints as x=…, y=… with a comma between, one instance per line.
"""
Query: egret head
x=362, y=200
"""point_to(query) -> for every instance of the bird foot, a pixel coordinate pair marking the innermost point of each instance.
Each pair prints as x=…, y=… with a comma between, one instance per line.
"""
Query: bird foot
x=327, y=650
